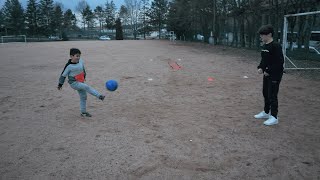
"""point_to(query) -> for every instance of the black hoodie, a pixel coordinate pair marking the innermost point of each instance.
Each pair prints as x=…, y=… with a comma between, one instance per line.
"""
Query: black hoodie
x=272, y=60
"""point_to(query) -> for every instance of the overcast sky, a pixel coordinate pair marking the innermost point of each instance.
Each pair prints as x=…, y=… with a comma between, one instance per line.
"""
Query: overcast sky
x=71, y=4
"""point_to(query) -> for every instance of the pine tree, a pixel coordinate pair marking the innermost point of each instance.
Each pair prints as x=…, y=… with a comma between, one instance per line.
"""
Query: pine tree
x=32, y=17
x=69, y=20
x=99, y=15
x=46, y=13
x=89, y=17
x=13, y=17
x=57, y=20
x=119, y=33
x=158, y=14
x=181, y=21
x=110, y=14
x=2, y=29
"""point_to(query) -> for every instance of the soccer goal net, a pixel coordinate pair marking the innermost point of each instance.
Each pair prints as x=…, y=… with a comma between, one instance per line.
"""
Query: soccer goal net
x=301, y=40
x=16, y=38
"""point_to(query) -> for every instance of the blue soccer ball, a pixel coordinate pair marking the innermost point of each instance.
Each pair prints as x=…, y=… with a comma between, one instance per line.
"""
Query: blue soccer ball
x=112, y=85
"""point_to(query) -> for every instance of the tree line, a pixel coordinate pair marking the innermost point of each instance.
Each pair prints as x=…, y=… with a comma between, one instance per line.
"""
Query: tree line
x=187, y=18
x=44, y=17
x=241, y=18
x=39, y=18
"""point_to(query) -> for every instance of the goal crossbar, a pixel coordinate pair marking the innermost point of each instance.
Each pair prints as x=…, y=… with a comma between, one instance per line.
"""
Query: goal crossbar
x=302, y=14
x=285, y=36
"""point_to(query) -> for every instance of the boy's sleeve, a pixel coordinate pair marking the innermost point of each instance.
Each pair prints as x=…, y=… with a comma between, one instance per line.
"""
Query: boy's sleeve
x=277, y=65
x=63, y=75
x=84, y=71
x=263, y=64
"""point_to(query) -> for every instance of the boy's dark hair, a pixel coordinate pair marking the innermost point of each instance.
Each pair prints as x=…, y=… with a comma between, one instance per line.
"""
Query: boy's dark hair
x=266, y=29
x=74, y=51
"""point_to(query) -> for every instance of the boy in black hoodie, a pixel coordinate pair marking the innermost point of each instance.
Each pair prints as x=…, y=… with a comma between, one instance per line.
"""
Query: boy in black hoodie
x=271, y=66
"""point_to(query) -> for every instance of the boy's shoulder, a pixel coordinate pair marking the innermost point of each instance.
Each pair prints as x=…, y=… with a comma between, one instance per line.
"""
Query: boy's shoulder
x=276, y=44
x=69, y=61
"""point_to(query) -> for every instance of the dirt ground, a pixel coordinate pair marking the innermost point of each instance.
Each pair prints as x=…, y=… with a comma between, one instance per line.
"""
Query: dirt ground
x=178, y=125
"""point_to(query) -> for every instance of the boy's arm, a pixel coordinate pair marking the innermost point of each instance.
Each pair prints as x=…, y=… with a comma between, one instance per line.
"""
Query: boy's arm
x=263, y=63
x=61, y=81
x=84, y=71
x=63, y=76
x=277, y=64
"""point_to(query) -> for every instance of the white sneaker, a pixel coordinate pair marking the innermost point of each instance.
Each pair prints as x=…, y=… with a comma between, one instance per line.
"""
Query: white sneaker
x=271, y=121
x=262, y=115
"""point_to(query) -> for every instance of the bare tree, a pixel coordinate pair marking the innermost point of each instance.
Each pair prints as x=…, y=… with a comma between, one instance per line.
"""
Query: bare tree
x=81, y=8
x=133, y=7
x=123, y=14
x=145, y=4
x=110, y=15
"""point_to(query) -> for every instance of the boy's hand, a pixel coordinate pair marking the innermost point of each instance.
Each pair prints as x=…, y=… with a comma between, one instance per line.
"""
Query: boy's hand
x=265, y=74
x=260, y=71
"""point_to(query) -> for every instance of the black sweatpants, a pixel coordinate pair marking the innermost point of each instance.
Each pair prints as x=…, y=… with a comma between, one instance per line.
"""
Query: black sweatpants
x=270, y=94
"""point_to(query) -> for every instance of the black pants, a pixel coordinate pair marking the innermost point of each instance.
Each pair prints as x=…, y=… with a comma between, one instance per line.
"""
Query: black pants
x=270, y=94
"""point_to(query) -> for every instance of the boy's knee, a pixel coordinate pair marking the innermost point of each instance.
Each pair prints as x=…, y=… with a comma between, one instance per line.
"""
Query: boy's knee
x=85, y=97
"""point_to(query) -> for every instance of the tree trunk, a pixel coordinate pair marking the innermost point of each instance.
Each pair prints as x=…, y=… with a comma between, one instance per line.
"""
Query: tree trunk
x=291, y=21
x=258, y=22
x=242, y=36
x=281, y=21
x=215, y=24
x=276, y=21
x=310, y=21
x=235, y=33
x=301, y=24
x=159, y=28
x=249, y=31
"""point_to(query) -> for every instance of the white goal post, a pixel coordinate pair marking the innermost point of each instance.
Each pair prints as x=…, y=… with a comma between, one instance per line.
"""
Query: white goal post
x=285, y=36
x=14, y=37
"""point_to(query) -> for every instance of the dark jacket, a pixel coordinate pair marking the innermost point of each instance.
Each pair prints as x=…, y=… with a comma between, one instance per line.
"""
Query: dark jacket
x=272, y=60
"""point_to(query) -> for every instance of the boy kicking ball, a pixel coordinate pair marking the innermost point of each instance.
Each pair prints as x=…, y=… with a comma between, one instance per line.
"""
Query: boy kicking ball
x=271, y=66
x=76, y=73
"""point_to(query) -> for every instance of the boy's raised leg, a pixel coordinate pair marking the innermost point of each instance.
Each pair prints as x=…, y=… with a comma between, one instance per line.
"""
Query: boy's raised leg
x=87, y=88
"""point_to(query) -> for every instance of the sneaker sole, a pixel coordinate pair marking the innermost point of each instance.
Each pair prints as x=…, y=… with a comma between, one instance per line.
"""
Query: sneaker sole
x=261, y=117
x=271, y=124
